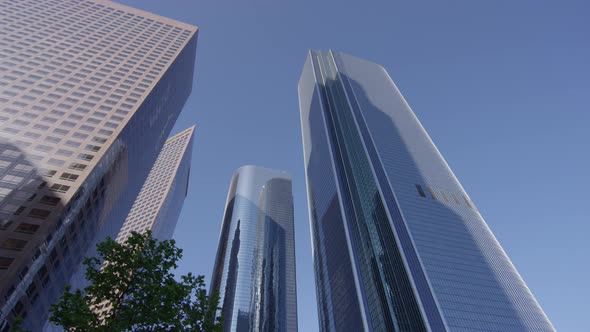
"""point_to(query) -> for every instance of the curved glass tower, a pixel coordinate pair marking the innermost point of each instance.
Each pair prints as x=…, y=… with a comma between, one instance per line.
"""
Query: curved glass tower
x=398, y=245
x=254, y=271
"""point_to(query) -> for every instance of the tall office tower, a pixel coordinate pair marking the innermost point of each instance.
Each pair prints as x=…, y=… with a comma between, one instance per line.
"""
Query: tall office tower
x=254, y=271
x=160, y=200
x=89, y=91
x=397, y=243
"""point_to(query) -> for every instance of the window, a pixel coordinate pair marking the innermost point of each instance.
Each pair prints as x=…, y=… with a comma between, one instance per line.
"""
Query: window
x=84, y=156
x=50, y=200
x=10, y=153
x=19, y=210
x=27, y=228
x=69, y=177
x=5, y=223
x=467, y=201
x=52, y=139
x=432, y=193
x=20, y=195
x=455, y=198
x=23, y=168
x=32, y=135
x=39, y=213
x=13, y=244
x=49, y=119
x=420, y=190
x=86, y=128
x=10, y=130
x=73, y=144
x=5, y=192
x=60, y=188
x=77, y=166
x=56, y=162
x=5, y=262
x=32, y=290
x=53, y=255
x=12, y=179
x=21, y=123
x=60, y=131
x=63, y=152
x=92, y=148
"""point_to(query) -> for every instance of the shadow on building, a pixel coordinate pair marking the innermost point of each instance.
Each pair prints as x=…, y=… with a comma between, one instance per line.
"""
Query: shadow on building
x=439, y=260
x=30, y=210
x=43, y=241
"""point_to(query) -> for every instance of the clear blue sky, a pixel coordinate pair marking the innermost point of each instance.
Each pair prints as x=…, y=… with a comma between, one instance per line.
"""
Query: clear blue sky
x=501, y=86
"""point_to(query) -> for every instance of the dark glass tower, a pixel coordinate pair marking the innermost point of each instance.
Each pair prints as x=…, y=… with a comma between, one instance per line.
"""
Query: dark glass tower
x=398, y=245
x=255, y=266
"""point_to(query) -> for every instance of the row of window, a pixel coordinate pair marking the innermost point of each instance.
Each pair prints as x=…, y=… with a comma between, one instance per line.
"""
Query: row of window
x=60, y=131
x=55, y=44
x=45, y=149
x=27, y=169
x=13, y=244
x=93, y=44
x=57, y=130
x=34, y=212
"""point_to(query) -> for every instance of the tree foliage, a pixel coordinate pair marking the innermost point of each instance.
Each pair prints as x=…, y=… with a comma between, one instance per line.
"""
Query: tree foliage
x=132, y=288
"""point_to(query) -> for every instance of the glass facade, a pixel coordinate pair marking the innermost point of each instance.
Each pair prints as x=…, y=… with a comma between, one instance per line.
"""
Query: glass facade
x=416, y=261
x=90, y=92
x=254, y=271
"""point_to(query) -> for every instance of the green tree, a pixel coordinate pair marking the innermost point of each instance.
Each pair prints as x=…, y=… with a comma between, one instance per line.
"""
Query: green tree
x=132, y=288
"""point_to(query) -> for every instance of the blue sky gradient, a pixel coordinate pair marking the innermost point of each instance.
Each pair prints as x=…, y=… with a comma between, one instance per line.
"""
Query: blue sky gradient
x=502, y=87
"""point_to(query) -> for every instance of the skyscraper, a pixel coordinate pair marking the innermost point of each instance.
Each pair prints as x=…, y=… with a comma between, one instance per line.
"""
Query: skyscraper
x=160, y=200
x=89, y=91
x=398, y=245
x=254, y=271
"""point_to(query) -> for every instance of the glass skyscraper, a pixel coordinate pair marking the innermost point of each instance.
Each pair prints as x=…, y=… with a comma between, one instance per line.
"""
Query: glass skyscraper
x=254, y=271
x=89, y=91
x=398, y=244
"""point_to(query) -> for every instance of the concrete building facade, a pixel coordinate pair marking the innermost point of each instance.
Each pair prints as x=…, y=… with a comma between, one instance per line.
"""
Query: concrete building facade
x=89, y=91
